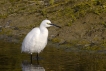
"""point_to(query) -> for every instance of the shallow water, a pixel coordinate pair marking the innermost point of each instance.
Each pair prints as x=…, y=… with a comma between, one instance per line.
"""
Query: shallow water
x=51, y=59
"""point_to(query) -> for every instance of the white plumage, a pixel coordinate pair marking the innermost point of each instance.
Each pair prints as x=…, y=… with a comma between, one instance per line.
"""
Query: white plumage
x=31, y=43
x=36, y=40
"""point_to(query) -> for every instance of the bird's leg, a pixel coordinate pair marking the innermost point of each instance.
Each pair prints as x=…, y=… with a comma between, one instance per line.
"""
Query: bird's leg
x=31, y=58
x=37, y=56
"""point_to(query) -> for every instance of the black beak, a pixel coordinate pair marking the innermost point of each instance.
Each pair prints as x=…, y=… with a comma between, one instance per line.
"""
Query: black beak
x=55, y=25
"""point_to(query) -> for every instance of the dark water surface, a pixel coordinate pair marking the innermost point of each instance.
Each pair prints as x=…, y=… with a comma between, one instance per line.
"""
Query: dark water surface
x=52, y=59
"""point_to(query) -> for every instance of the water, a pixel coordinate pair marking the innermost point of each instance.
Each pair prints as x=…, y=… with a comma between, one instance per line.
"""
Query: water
x=52, y=59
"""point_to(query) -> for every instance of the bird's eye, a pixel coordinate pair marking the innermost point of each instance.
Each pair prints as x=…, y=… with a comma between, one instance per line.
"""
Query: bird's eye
x=48, y=23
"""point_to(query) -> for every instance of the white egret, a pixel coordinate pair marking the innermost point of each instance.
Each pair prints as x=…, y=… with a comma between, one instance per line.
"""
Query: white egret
x=36, y=40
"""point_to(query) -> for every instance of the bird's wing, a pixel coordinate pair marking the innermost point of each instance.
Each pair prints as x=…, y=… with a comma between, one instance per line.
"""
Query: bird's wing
x=30, y=39
x=33, y=33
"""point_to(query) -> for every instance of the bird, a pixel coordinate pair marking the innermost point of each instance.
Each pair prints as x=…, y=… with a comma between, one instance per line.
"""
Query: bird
x=36, y=40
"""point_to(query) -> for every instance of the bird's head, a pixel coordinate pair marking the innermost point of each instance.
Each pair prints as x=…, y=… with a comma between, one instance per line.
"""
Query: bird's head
x=47, y=23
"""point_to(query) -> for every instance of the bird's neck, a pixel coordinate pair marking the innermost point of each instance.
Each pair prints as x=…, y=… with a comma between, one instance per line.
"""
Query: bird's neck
x=44, y=30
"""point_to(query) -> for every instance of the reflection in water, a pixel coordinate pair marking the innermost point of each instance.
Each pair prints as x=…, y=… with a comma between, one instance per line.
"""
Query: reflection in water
x=31, y=67
x=54, y=59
